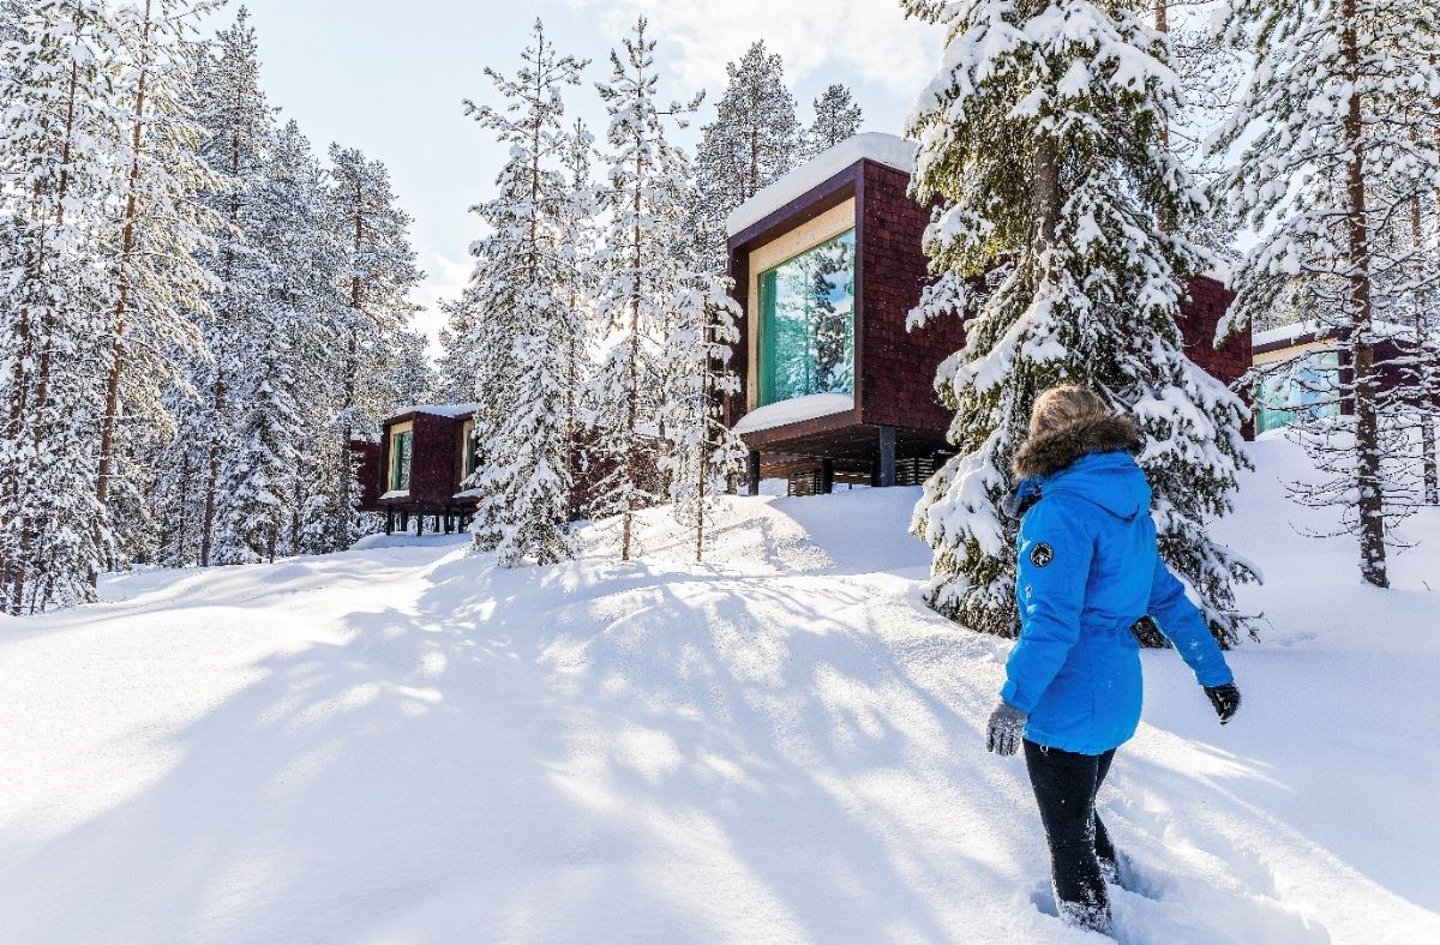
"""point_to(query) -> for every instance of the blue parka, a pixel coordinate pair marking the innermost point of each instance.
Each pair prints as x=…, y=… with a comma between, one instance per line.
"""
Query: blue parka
x=1088, y=569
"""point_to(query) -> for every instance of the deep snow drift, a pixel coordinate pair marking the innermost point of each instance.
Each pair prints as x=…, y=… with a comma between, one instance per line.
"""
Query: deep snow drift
x=402, y=744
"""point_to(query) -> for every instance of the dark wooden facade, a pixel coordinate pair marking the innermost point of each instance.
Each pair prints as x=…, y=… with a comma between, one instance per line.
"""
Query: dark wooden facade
x=898, y=422
x=437, y=458
x=366, y=456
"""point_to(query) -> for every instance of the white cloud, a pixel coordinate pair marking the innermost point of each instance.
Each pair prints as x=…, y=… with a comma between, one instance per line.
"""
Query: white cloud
x=871, y=38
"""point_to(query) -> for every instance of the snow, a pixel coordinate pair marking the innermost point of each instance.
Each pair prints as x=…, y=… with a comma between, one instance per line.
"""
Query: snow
x=1300, y=332
x=794, y=410
x=439, y=410
x=405, y=744
x=889, y=150
x=396, y=494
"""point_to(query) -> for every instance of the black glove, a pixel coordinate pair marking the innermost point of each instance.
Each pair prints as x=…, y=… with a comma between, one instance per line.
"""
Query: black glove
x=1225, y=699
x=1007, y=727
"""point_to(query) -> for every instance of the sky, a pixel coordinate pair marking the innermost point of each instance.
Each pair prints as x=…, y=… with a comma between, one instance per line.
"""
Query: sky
x=389, y=78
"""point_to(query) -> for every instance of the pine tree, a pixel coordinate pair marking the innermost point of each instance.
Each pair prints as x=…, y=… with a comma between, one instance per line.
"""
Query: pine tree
x=56, y=173
x=644, y=266
x=460, y=348
x=1332, y=155
x=754, y=139
x=582, y=282
x=837, y=117
x=704, y=453
x=1043, y=138
x=529, y=325
x=237, y=119
x=151, y=256
x=274, y=390
x=1422, y=370
x=376, y=279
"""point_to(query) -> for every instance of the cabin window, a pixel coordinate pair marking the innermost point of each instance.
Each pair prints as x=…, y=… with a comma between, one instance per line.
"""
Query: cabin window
x=401, y=451
x=807, y=323
x=1306, y=388
x=470, y=451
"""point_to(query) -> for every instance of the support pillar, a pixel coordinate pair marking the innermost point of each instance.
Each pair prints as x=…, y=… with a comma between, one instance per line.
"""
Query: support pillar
x=419, y=524
x=752, y=472
x=887, y=457
x=389, y=521
x=827, y=476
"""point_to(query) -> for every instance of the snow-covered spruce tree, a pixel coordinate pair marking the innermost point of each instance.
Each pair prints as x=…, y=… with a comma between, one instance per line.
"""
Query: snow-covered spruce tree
x=582, y=282
x=837, y=117
x=278, y=391
x=644, y=264
x=304, y=255
x=57, y=156
x=528, y=327
x=754, y=139
x=376, y=279
x=1041, y=135
x=460, y=351
x=703, y=452
x=237, y=120
x=1211, y=74
x=150, y=255
x=1330, y=159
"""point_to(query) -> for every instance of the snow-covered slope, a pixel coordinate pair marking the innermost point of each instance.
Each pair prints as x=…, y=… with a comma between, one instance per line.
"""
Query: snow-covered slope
x=402, y=744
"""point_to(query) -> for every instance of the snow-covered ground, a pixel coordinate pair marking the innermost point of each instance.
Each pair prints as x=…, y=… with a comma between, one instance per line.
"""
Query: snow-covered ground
x=401, y=744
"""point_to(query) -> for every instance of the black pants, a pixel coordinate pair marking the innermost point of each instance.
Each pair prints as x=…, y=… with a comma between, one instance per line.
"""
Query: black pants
x=1065, y=787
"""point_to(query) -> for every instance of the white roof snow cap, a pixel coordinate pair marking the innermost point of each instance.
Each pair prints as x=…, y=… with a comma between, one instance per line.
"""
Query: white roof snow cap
x=440, y=410
x=1302, y=332
x=890, y=150
x=794, y=410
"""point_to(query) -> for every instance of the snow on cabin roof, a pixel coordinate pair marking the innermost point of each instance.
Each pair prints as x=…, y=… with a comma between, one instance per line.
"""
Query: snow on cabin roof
x=794, y=410
x=1302, y=332
x=889, y=150
x=439, y=410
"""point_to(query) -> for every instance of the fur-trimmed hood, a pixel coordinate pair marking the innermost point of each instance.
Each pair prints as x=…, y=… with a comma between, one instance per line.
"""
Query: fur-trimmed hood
x=1050, y=453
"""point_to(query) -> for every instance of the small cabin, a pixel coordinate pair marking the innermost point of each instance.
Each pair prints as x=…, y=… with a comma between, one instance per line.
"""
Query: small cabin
x=426, y=453
x=1301, y=368
x=828, y=263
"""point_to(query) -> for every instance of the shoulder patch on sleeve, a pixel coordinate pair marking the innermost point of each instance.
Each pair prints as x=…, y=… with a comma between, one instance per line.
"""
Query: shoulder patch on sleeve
x=1042, y=554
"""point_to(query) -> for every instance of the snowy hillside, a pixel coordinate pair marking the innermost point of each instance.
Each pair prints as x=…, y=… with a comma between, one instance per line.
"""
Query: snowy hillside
x=402, y=744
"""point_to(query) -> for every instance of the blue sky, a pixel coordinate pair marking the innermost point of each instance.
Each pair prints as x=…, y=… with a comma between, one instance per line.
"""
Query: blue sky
x=389, y=78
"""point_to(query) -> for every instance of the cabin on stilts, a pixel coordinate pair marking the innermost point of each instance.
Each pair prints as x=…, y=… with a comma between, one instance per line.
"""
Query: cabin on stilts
x=828, y=263
x=425, y=455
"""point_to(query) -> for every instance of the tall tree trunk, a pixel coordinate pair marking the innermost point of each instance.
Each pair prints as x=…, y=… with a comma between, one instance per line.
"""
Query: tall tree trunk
x=30, y=525
x=1044, y=203
x=120, y=316
x=632, y=392
x=1162, y=26
x=218, y=392
x=1425, y=387
x=1370, y=503
x=343, y=511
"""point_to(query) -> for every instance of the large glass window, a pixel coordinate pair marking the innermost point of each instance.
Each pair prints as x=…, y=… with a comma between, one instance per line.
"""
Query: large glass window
x=1303, y=389
x=807, y=323
x=401, y=447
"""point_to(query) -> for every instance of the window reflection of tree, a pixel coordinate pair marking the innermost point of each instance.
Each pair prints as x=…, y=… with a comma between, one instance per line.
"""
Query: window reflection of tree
x=813, y=321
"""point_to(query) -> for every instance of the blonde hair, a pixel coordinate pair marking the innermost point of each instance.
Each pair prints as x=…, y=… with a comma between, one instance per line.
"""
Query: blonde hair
x=1067, y=406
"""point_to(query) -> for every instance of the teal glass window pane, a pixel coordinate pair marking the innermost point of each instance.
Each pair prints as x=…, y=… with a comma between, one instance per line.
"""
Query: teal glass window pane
x=1307, y=389
x=807, y=323
x=400, y=456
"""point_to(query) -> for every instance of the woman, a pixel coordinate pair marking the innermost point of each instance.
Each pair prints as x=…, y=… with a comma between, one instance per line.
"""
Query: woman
x=1089, y=569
